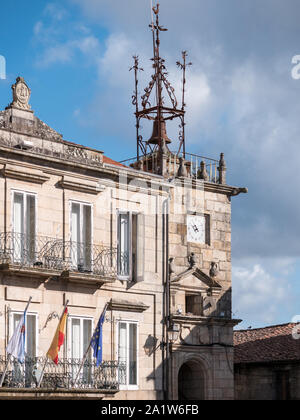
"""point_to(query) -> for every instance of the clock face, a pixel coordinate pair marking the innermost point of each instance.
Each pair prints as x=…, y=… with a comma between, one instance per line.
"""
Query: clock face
x=196, y=229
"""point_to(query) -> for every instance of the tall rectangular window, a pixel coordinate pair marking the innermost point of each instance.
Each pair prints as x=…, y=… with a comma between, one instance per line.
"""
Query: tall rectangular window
x=81, y=236
x=22, y=374
x=128, y=353
x=79, y=337
x=131, y=234
x=30, y=331
x=24, y=226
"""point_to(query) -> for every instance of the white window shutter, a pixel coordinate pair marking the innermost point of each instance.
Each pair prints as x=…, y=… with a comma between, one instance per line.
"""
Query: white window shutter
x=124, y=245
x=75, y=339
x=31, y=336
x=30, y=226
x=140, y=254
x=18, y=213
x=87, y=237
x=75, y=235
x=18, y=227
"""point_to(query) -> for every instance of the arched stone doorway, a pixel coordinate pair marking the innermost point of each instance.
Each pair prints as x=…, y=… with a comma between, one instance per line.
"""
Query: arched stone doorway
x=191, y=382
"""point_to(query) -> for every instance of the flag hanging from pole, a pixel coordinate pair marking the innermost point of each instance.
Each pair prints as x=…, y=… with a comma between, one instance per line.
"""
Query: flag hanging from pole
x=96, y=341
x=58, y=339
x=16, y=345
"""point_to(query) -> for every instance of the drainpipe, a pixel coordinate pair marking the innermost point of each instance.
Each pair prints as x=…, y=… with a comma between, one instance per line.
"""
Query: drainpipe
x=166, y=299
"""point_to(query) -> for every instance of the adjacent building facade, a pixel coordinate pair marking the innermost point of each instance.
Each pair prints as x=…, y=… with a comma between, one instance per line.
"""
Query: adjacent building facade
x=267, y=363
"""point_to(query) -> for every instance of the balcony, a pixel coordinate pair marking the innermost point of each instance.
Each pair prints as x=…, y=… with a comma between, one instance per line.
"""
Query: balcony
x=59, y=379
x=44, y=255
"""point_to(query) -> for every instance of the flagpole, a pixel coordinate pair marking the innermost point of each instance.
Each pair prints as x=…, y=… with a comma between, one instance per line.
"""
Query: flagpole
x=9, y=355
x=87, y=351
x=46, y=360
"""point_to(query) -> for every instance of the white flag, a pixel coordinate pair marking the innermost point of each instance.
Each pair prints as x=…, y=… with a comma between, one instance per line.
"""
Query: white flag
x=16, y=345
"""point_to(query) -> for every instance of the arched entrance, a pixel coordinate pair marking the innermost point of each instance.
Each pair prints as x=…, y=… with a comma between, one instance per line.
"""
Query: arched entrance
x=191, y=382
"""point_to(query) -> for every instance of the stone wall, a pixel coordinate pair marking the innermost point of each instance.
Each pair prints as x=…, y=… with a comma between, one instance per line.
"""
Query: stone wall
x=218, y=207
x=266, y=382
x=205, y=342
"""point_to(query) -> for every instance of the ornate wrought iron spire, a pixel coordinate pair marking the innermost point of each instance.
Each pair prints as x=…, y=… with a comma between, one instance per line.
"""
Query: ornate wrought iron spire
x=158, y=102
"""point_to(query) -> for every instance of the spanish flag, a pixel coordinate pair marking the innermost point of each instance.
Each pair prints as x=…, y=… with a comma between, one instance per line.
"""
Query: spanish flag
x=58, y=339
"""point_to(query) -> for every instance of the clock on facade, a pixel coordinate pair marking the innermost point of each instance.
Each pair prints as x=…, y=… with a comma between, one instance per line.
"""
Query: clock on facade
x=196, y=229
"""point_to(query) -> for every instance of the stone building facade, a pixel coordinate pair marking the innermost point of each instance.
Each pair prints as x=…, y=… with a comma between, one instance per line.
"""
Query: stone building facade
x=267, y=363
x=77, y=227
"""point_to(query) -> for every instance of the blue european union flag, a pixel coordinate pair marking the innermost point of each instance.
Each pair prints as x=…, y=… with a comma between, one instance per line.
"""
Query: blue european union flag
x=96, y=341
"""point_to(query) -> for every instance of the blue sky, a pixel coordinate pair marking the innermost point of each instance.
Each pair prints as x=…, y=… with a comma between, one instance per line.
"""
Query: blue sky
x=75, y=56
x=30, y=31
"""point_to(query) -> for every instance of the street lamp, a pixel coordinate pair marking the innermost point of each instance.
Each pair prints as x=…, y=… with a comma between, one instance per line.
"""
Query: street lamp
x=173, y=333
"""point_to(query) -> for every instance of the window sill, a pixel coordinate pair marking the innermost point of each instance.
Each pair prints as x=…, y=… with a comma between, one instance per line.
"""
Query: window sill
x=129, y=388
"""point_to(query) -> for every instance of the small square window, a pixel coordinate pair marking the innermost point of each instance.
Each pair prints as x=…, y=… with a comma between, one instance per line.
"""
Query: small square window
x=193, y=304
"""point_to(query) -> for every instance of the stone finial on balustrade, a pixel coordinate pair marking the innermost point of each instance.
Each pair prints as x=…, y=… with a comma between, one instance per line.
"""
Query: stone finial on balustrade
x=222, y=170
x=140, y=165
x=182, y=172
x=202, y=173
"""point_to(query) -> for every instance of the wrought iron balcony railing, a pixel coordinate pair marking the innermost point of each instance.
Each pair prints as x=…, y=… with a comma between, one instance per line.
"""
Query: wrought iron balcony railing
x=51, y=253
x=201, y=167
x=108, y=376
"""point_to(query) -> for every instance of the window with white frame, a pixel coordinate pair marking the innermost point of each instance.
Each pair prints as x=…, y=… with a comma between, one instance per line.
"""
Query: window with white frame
x=131, y=234
x=81, y=236
x=79, y=337
x=24, y=226
x=31, y=331
x=128, y=353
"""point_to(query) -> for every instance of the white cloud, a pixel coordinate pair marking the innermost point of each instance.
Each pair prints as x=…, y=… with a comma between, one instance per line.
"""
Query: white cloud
x=64, y=53
x=38, y=27
x=259, y=297
x=87, y=45
x=116, y=60
x=198, y=94
x=58, y=43
x=56, y=54
x=55, y=11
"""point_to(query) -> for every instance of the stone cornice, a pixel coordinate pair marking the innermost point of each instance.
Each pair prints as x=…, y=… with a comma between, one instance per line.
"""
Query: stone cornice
x=84, y=187
x=126, y=306
x=207, y=186
x=195, y=319
x=157, y=183
x=85, y=278
x=21, y=174
x=135, y=189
